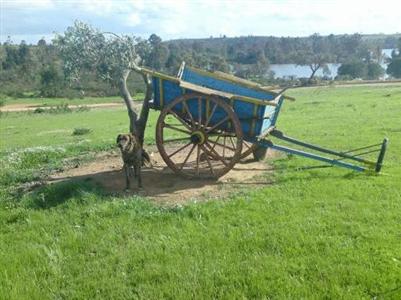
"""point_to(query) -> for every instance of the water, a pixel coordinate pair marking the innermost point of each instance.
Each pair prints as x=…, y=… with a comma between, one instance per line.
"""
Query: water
x=293, y=70
x=297, y=71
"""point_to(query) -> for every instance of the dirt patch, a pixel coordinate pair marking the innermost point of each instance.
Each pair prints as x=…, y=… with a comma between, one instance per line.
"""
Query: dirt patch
x=162, y=185
x=32, y=107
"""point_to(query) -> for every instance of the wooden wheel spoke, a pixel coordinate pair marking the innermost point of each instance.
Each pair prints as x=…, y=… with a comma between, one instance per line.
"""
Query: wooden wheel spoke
x=180, y=119
x=180, y=149
x=232, y=142
x=184, y=103
x=224, y=146
x=216, y=154
x=218, y=124
x=197, y=159
x=177, y=140
x=223, y=134
x=247, y=145
x=214, y=142
x=176, y=129
x=207, y=159
x=186, y=158
x=211, y=114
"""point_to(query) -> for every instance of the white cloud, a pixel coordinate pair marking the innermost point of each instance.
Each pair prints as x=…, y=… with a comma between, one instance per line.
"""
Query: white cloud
x=26, y=4
x=195, y=18
x=180, y=18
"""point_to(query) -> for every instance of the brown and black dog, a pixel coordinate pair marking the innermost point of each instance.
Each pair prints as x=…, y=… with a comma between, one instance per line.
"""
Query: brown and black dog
x=133, y=156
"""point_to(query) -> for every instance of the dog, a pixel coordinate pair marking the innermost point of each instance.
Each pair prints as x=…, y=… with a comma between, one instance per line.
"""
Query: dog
x=133, y=157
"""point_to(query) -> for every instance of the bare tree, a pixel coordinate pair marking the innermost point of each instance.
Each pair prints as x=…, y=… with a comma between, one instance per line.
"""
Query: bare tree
x=112, y=58
x=314, y=54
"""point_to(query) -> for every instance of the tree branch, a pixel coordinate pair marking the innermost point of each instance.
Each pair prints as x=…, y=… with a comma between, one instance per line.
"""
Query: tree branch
x=128, y=100
x=143, y=119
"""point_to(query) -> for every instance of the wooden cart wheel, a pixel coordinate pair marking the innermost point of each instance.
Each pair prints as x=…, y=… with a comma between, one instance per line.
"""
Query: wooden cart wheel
x=259, y=153
x=202, y=147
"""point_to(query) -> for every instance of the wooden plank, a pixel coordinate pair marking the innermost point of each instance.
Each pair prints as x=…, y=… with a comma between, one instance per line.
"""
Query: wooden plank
x=160, y=75
x=211, y=92
x=266, y=132
x=235, y=79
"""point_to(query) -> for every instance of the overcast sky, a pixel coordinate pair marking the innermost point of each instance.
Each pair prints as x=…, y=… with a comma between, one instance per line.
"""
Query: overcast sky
x=172, y=19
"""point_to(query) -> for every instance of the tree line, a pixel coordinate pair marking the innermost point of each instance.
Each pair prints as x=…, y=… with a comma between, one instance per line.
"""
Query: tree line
x=42, y=70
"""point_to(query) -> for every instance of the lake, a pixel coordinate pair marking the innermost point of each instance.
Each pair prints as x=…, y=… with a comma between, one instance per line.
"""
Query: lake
x=297, y=71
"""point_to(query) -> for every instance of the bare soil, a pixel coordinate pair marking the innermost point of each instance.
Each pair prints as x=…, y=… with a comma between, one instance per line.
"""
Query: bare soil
x=32, y=107
x=162, y=185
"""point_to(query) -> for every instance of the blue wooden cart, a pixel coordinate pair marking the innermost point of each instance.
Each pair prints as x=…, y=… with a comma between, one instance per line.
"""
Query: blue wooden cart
x=211, y=120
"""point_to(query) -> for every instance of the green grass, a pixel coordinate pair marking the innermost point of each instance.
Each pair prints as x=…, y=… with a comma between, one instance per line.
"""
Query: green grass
x=316, y=233
x=61, y=101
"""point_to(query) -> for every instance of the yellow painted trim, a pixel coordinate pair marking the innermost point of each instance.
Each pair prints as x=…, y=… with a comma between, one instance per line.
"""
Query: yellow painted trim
x=208, y=91
x=254, y=100
x=254, y=115
x=231, y=78
x=240, y=81
x=181, y=70
x=160, y=75
x=161, y=92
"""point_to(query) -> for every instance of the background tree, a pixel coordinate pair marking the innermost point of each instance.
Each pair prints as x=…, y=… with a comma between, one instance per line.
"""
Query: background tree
x=157, y=54
x=394, y=67
x=51, y=82
x=112, y=58
x=315, y=54
x=374, y=71
x=353, y=69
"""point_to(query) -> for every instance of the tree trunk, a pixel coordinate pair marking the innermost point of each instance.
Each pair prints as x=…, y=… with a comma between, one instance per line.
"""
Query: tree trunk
x=128, y=101
x=314, y=68
x=143, y=118
x=137, y=126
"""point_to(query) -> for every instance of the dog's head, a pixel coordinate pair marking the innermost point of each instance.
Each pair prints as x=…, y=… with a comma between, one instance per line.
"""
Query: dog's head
x=123, y=141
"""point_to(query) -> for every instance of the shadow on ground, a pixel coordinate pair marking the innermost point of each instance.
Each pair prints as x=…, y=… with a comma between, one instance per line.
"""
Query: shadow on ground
x=163, y=185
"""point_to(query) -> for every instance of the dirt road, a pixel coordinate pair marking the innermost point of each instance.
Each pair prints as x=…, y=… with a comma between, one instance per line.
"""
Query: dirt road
x=32, y=107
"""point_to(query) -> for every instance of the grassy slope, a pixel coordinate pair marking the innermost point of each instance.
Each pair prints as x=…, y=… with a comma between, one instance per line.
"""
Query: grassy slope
x=315, y=233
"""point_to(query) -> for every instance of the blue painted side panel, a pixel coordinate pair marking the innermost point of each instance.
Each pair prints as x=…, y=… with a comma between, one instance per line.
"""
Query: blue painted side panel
x=223, y=85
x=271, y=115
x=254, y=118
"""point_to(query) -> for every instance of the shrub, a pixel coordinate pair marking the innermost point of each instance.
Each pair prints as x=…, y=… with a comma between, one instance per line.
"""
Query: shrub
x=81, y=131
x=374, y=71
x=354, y=69
x=39, y=110
x=394, y=68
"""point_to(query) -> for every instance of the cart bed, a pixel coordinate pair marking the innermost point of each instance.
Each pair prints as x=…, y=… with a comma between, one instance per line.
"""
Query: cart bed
x=256, y=107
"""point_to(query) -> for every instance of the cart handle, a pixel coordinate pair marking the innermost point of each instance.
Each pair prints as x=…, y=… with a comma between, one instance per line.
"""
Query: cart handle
x=380, y=159
x=281, y=93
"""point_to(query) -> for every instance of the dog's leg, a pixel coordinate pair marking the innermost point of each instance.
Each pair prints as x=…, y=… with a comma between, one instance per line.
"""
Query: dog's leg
x=127, y=182
x=132, y=172
x=138, y=172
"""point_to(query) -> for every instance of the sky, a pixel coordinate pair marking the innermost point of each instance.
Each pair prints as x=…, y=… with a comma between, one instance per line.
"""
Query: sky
x=174, y=19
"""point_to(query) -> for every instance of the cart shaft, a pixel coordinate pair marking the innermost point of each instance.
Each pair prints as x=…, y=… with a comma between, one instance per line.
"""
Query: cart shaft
x=339, y=156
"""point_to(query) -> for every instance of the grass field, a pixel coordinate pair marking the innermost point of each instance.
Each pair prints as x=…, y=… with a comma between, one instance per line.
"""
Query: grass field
x=60, y=101
x=315, y=233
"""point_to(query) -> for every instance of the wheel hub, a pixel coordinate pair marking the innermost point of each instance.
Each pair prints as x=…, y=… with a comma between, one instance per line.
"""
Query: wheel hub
x=198, y=137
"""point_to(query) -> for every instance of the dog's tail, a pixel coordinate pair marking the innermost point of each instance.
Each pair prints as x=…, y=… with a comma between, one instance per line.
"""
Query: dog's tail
x=146, y=158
